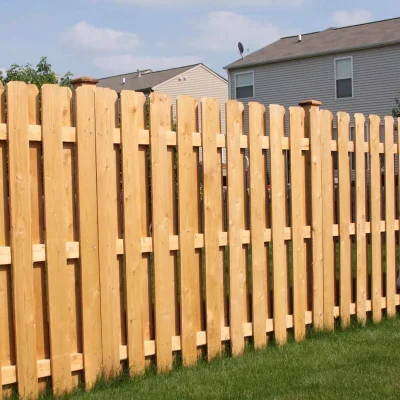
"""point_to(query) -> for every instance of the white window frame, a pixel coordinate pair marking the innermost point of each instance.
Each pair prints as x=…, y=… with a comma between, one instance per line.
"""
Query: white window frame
x=352, y=77
x=254, y=88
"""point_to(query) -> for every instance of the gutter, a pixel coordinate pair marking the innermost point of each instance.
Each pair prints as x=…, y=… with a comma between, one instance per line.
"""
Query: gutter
x=231, y=67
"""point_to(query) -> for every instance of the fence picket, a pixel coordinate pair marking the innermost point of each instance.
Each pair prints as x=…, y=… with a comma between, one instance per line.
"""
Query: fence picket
x=237, y=254
x=132, y=120
x=160, y=122
x=327, y=206
x=361, y=218
x=88, y=231
x=344, y=216
x=108, y=230
x=56, y=257
x=390, y=218
x=317, y=218
x=213, y=225
x=258, y=215
x=188, y=183
x=5, y=270
x=72, y=284
x=375, y=199
x=21, y=238
x=298, y=221
x=278, y=207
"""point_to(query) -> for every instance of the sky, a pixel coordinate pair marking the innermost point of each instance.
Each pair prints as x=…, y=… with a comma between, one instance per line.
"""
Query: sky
x=101, y=38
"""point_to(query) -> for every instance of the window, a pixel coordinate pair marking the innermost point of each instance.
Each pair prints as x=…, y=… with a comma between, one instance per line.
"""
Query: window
x=344, y=77
x=244, y=83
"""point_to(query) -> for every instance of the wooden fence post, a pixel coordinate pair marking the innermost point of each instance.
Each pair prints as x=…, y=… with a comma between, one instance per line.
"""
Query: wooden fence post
x=88, y=232
x=362, y=266
x=278, y=213
x=107, y=191
x=315, y=265
x=327, y=207
x=56, y=257
x=213, y=225
x=344, y=217
x=188, y=188
x=390, y=218
x=21, y=239
x=258, y=215
x=236, y=217
x=132, y=121
x=160, y=123
x=375, y=199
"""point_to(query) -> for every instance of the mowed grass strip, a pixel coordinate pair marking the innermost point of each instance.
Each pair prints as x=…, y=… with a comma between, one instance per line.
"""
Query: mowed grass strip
x=356, y=363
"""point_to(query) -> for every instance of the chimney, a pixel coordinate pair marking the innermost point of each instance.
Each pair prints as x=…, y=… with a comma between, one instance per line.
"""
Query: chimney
x=299, y=38
x=139, y=73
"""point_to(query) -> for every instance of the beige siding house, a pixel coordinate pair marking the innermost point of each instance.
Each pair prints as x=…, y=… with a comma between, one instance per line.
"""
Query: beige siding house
x=198, y=82
x=194, y=80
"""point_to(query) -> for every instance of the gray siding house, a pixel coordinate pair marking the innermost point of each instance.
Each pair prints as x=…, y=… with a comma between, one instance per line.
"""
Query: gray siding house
x=354, y=69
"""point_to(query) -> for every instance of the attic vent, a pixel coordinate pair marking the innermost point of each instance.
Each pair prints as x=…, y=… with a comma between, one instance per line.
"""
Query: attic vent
x=123, y=80
x=299, y=38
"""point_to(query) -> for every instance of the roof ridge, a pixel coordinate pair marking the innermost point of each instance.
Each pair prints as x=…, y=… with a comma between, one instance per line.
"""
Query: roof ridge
x=151, y=72
x=341, y=27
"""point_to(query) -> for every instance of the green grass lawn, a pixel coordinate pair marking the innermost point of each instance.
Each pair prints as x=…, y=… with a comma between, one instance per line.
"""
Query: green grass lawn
x=357, y=363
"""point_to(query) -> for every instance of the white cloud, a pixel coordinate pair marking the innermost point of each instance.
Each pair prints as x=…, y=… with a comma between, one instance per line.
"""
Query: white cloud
x=88, y=37
x=346, y=18
x=202, y=3
x=125, y=63
x=220, y=31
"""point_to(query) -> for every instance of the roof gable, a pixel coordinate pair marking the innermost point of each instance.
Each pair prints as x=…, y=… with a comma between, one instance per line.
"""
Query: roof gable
x=332, y=40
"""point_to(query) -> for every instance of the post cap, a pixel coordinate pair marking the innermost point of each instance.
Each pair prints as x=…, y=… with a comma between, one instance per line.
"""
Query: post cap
x=310, y=103
x=84, y=80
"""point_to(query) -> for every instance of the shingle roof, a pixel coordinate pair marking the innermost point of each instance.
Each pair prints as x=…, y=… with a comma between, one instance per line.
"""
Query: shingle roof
x=145, y=82
x=332, y=40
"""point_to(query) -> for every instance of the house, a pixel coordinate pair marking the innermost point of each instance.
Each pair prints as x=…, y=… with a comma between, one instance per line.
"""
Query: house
x=354, y=69
x=195, y=80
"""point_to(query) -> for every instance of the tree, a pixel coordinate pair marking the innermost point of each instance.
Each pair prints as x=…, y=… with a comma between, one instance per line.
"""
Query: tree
x=39, y=75
x=396, y=108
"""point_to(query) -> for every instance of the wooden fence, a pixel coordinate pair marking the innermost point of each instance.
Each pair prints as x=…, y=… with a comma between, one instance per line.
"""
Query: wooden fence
x=114, y=250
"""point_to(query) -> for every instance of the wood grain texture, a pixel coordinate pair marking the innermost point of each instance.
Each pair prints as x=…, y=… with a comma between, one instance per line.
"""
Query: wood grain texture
x=390, y=218
x=344, y=217
x=108, y=229
x=88, y=232
x=278, y=213
x=190, y=270
x=160, y=123
x=213, y=224
x=56, y=257
x=298, y=185
x=132, y=120
x=21, y=239
x=375, y=200
x=236, y=205
x=361, y=240
x=327, y=207
x=317, y=218
x=258, y=216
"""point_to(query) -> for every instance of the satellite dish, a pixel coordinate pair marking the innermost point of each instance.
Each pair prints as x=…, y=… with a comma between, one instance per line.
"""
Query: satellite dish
x=241, y=49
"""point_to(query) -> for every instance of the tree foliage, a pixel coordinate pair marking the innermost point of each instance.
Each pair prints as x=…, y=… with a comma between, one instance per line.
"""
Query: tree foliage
x=39, y=75
x=396, y=108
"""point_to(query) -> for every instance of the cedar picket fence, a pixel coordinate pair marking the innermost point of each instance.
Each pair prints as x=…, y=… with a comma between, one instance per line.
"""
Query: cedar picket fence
x=106, y=261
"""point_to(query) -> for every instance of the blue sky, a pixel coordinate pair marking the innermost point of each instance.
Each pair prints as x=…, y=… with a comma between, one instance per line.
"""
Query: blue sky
x=107, y=37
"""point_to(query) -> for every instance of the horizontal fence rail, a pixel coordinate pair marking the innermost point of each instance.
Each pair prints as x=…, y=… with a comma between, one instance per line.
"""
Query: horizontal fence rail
x=120, y=246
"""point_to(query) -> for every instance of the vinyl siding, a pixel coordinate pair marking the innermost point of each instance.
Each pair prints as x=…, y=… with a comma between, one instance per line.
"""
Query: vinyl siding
x=200, y=83
x=376, y=73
